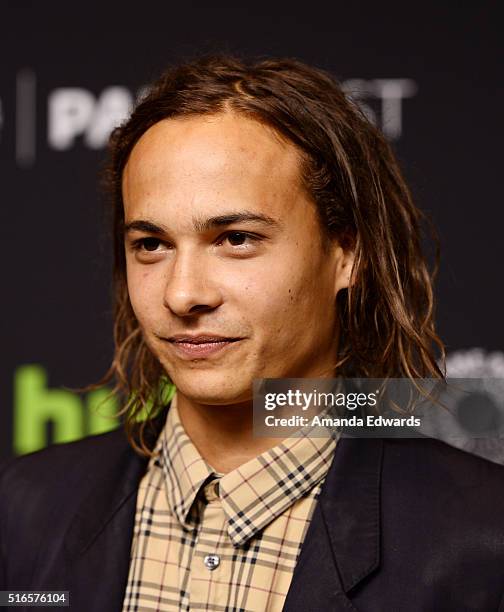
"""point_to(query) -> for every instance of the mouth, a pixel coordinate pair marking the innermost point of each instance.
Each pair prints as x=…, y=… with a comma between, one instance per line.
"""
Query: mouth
x=202, y=345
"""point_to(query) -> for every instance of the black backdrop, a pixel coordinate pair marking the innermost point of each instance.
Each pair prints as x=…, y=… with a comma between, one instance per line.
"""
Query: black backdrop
x=428, y=74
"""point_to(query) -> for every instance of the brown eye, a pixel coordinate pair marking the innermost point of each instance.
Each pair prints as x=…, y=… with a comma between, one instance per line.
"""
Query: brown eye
x=150, y=244
x=236, y=238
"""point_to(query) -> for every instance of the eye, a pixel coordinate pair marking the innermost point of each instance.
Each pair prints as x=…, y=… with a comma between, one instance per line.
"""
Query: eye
x=246, y=240
x=150, y=244
x=237, y=238
x=146, y=244
x=234, y=243
x=149, y=249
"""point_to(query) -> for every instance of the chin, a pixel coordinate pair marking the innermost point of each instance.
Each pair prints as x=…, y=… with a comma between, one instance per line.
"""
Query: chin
x=212, y=387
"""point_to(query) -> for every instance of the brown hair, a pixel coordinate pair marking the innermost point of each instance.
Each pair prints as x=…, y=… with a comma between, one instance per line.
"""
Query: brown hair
x=348, y=168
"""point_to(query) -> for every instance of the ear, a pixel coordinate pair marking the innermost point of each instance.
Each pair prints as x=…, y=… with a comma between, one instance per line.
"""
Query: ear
x=344, y=275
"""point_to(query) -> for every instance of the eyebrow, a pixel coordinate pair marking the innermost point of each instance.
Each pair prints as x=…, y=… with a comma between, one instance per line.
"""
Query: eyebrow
x=203, y=225
x=234, y=217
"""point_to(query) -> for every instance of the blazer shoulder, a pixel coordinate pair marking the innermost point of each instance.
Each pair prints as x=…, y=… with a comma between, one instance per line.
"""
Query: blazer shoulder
x=43, y=493
x=61, y=472
x=74, y=468
x=58, y=461
x=432, y=469
x=430, y=451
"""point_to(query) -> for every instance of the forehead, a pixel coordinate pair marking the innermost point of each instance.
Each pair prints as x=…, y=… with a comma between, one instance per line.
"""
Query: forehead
x=205, y=161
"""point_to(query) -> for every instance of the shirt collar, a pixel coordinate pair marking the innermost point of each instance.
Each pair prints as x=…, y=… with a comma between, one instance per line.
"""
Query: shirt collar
x=253, y=494
x=257, y=492
x=185, y=470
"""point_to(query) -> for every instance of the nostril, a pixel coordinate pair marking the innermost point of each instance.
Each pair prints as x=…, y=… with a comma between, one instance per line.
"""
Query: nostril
x=199, y=308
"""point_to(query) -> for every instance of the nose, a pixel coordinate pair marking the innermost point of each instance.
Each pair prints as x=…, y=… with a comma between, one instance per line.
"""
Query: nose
x=190, y=289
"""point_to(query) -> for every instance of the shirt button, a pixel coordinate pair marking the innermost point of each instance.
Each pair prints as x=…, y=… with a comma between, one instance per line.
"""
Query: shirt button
x=212, y=561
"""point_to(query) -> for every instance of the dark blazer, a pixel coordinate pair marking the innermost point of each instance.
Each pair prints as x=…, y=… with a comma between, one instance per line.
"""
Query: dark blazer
x=401, y=525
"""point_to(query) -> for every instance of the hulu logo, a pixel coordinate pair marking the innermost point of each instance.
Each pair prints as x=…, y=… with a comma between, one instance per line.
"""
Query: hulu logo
x=36, y=406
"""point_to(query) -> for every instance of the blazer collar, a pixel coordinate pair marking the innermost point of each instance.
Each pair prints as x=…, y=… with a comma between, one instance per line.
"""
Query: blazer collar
x=342, y=545
x=350, y=508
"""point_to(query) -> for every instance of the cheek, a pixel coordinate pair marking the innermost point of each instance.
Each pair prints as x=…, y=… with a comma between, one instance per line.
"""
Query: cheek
x=276, y=302
x=296, y=300
x=145, y=291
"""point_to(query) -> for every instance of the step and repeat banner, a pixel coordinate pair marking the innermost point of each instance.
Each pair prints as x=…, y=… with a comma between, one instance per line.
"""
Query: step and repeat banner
x=428, y=78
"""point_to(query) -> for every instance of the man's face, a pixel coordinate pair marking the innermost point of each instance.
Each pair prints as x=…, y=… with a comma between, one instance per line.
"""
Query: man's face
x=225, y=265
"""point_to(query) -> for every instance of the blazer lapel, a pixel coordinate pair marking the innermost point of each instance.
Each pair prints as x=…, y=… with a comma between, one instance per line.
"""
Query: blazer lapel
x=342, y=545
x=98, y=542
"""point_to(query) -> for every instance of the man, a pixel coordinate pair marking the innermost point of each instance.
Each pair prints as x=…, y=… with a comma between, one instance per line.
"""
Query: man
x=262, y=230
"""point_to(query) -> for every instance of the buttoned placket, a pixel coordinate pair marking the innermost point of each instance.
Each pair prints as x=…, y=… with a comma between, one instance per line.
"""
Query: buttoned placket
x=209, y=569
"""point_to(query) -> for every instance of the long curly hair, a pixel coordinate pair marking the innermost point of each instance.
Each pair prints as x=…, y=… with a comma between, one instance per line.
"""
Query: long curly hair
x=386, y=317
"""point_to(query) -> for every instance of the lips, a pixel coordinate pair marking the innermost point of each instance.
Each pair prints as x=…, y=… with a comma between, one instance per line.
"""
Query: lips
x=200, y=339
x=202, y=345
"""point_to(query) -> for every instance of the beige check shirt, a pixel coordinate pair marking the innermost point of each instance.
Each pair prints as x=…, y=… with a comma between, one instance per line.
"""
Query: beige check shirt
x=207, y=541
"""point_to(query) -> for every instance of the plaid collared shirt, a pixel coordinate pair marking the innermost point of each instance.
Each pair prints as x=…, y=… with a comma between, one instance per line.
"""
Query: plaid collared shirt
x=207, y=541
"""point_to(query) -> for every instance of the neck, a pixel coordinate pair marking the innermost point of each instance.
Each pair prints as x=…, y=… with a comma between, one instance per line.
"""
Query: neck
x=223, y=435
